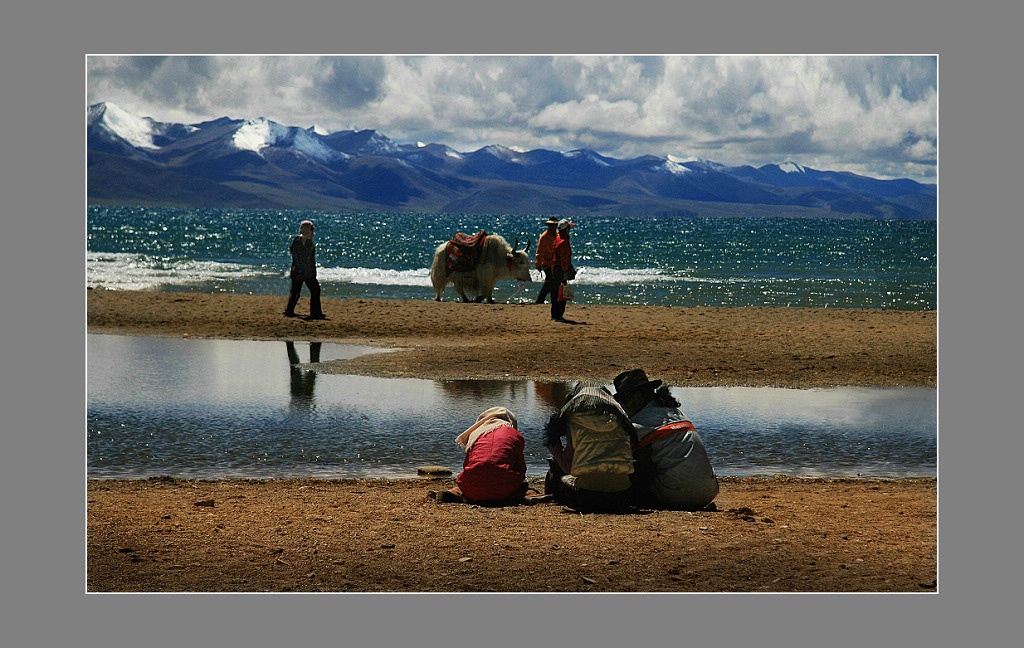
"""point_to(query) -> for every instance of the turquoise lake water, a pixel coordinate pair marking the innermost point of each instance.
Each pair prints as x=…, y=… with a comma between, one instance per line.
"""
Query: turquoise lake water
x=663, y=261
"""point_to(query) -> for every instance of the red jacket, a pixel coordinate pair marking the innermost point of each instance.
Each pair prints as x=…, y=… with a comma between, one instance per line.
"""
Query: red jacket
x=562, y=256
x=495, y=465
x=545, y=249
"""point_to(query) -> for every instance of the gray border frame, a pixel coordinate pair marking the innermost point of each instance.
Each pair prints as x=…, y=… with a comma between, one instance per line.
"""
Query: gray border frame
x=44, y=332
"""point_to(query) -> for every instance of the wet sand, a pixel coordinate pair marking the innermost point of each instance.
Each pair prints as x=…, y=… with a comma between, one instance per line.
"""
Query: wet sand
x=781, y=347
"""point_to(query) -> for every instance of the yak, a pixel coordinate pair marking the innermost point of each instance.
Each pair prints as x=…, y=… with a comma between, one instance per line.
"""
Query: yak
x=493, y=259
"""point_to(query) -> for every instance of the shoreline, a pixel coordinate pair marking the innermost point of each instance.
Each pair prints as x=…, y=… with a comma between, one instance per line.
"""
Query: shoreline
x=755, y=346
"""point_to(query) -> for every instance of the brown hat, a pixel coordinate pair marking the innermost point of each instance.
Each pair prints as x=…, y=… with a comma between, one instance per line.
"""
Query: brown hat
x=632, y=380
x=551, y=221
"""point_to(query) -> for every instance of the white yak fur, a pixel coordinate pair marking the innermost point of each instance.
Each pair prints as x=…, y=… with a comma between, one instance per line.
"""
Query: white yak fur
x=497, y=261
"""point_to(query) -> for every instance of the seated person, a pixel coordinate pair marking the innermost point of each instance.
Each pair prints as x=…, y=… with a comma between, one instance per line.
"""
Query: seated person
x=494, y=466
x=591, y=470
x=672, y=464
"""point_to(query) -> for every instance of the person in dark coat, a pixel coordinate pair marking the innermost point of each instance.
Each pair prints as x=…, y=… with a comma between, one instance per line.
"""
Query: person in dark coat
x=303, y=271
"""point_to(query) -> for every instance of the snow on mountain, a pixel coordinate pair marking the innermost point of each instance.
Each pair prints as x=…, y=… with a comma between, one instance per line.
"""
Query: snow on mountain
x=706, y=165
x=378, y=144
x=439, y=150
x=500, y=152
x=791, y=167
x=672, y=165
x=261, y=133
x=588, y=155
x=139, y=132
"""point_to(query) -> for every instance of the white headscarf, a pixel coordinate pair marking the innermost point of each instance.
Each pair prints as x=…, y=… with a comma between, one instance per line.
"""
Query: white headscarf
x=488, y=421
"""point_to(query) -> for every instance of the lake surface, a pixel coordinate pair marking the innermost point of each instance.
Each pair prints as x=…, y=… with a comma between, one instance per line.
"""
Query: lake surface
x=664, y=261
x=256, y=409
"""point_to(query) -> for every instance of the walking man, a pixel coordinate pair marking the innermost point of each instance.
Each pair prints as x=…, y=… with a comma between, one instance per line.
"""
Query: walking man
x=304, y=272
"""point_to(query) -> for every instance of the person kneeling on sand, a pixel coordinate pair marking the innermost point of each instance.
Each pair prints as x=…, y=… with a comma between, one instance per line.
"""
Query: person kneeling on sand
x=673, y=469
x=494, y=466
x=591, y=470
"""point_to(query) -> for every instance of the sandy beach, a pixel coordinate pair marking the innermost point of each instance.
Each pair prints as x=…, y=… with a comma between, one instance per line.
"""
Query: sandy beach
x=780, y=347
x=766, y=535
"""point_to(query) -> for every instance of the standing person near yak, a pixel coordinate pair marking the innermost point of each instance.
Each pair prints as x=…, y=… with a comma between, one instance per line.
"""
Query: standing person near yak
x=303, y=271
x=672, y=465
x=561, y=268
x=543, y=259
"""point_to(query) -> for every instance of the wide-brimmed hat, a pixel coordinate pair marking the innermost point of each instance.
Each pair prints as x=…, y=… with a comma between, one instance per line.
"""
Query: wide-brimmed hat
x=564, y=224
x=633, y=380
x=551, y=221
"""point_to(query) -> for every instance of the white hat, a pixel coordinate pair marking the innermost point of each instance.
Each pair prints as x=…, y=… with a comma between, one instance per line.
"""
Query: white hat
x=564, y=224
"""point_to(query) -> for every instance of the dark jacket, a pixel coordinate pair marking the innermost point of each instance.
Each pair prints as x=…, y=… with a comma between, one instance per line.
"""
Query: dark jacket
x=303, y=258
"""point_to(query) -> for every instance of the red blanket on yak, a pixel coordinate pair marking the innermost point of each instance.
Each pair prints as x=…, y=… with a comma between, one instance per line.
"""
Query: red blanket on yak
x=463, y=251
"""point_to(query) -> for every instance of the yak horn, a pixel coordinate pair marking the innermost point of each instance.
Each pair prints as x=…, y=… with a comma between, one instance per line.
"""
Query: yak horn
x=527, y=248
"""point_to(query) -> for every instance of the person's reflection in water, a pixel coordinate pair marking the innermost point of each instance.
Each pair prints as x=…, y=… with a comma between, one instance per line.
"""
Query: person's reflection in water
x=303, y=380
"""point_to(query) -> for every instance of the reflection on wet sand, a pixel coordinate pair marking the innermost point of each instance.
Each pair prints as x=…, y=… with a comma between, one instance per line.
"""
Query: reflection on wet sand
x=215, y=407
x=303, y=379
x=497, y=390
x=551, y=394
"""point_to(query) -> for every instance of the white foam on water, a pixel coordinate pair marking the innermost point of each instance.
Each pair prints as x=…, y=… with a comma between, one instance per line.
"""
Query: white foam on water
x=128, y=271
x=628, y=276
x=124, y=271
x=376, y=276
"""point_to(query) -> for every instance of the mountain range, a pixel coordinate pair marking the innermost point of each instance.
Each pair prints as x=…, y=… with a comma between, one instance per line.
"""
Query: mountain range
x=257, y=163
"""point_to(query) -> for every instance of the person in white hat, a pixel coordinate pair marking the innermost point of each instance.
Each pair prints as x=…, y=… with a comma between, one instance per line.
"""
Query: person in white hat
x=560, y=267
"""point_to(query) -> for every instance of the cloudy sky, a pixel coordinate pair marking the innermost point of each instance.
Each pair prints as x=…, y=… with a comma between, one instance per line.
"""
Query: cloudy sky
x=872, y=115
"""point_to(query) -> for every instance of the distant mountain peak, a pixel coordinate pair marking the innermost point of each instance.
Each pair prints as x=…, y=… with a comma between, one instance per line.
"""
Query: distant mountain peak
x=136, y=131
x=672, y=166
x=260, y=133
x=588, y=154
x=792, y=167
x=499, y=151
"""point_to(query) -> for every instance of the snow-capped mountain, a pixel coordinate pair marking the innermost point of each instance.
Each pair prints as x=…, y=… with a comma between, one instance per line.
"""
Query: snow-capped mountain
x=259, y=163
x=110, y=124
x=257, y=135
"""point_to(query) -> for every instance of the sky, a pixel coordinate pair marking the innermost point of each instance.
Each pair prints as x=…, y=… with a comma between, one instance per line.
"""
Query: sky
x=870, y=115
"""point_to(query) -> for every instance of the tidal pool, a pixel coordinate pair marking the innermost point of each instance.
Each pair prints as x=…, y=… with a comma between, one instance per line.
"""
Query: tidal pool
x=259, y=409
